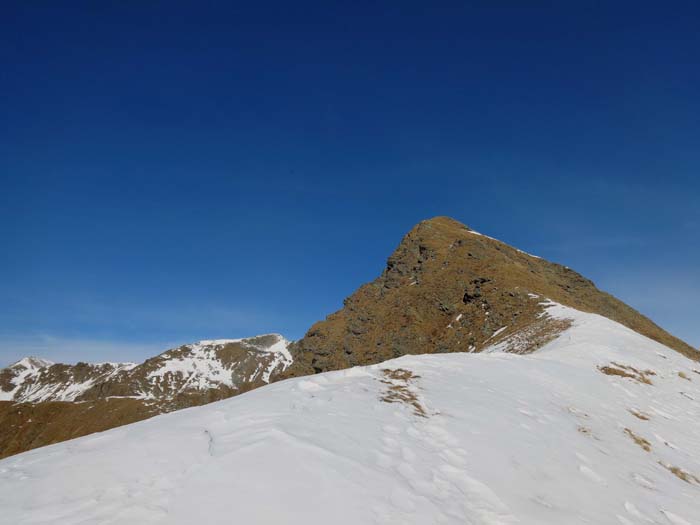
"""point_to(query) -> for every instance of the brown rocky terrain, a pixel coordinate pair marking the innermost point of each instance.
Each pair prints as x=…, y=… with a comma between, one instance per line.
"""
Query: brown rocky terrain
x=446, y=288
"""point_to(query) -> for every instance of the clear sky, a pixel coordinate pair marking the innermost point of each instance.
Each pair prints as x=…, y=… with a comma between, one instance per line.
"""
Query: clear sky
x=177, y=171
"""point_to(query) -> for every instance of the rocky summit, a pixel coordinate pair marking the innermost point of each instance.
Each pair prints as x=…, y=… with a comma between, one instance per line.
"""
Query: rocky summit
x=446, y=288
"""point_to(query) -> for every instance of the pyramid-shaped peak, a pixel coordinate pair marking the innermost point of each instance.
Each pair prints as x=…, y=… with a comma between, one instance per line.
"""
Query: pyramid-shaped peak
x=443, y=231
x=448, y=288
x=440, y=224
x=31, y=362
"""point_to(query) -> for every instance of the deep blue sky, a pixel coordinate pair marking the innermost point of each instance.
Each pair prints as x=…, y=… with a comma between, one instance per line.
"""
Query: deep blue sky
x=177, y=171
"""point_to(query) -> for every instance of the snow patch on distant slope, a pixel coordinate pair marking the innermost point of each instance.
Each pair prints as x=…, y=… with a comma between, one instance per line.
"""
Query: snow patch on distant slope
x=23, y=369
x=38, y=389
x=282, y=358
x=202, y=368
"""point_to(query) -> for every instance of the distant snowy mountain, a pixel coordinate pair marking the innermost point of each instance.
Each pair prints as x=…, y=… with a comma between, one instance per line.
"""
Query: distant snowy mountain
x=600, y=425
x=225, y=364
x=18, y=374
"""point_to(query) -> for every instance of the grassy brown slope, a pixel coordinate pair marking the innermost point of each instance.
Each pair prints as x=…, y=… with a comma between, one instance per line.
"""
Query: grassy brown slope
x=24, y=426
x=442, y=271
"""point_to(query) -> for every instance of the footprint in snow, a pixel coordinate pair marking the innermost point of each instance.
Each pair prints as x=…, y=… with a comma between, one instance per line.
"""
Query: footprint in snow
x=390, y=444
x=402, y=499
x=383, y=461
x=591, y=474
x=309, y=386
x=408, y=454
x=453, y=457
x=479, y=500
x=674, y=519
x=664, y=442
x=583, y=458
x=634, y=512
x=643, y=481
x=390, y=429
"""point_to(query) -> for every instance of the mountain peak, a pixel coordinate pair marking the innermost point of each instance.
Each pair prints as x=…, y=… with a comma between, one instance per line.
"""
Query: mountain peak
x=436, y=229
x=448, y=288
x=31, y=362
x=441, y=221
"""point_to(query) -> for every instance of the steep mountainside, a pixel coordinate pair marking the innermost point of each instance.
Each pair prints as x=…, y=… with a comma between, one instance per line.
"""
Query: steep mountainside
x=46, y=402
x=447, y=288
x=600, y=425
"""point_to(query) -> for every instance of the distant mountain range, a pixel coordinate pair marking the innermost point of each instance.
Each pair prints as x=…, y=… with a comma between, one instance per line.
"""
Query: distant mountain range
x=191, y=370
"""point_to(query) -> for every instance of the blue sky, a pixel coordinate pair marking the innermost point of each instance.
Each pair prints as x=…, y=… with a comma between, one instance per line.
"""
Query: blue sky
x=181, y=171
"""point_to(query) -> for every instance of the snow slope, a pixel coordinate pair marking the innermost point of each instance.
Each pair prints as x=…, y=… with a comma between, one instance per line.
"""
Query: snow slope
x=490, y=438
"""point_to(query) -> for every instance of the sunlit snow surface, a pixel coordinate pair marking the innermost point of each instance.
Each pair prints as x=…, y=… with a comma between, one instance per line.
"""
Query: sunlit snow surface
x=538, y=439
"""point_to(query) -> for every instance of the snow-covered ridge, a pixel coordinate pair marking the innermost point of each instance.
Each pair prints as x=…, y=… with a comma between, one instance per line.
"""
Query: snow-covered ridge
x=570, y=434
x=218, y=341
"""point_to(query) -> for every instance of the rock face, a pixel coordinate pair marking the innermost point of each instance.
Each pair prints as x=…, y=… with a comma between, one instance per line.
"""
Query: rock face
x=447, y=288
x=43, y=402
